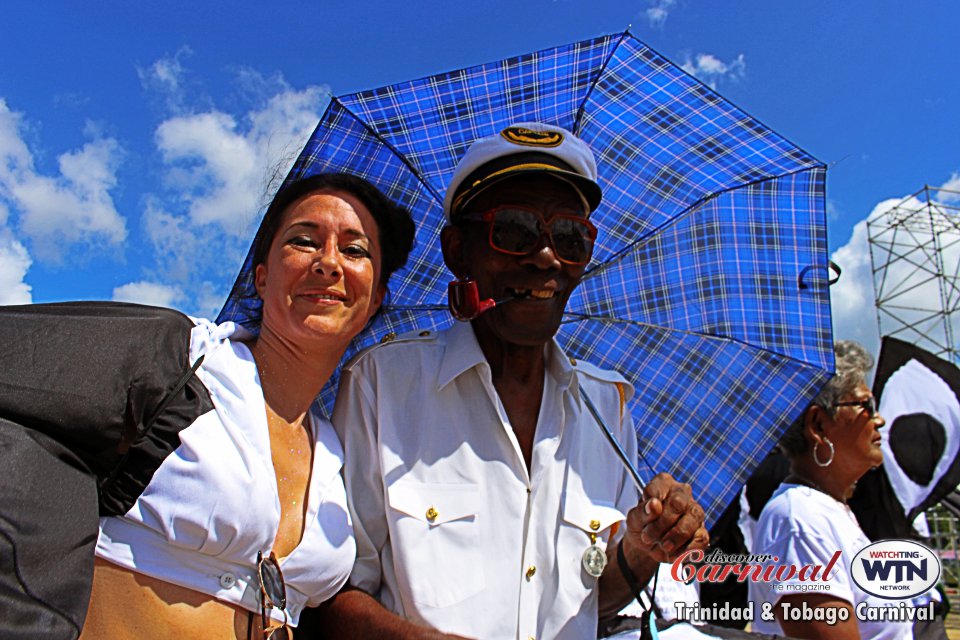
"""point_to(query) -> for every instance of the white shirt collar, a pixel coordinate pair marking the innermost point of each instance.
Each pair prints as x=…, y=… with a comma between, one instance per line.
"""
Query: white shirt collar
x=462, y=352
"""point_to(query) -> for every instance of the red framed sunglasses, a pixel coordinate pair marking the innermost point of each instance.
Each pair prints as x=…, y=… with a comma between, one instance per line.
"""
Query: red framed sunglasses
x=516, y=230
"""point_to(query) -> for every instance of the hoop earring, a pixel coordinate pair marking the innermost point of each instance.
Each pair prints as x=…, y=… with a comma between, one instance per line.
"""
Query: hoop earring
x=816, y=458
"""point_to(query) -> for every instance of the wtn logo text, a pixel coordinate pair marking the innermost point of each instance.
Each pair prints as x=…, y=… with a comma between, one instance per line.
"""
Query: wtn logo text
x=902, y=569
x=895, y=569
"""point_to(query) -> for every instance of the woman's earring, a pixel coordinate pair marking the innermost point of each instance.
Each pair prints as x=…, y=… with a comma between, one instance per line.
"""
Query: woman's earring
x=829, y=460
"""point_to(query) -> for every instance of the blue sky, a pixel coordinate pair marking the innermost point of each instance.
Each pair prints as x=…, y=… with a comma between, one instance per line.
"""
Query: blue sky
x=136, y=143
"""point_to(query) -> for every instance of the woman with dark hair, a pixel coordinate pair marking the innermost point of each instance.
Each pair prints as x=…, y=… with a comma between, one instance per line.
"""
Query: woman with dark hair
x=252, y=497
x=807, y=521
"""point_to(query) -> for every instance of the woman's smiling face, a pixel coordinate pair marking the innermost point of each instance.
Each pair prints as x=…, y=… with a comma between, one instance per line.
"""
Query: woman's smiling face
x=321, y=276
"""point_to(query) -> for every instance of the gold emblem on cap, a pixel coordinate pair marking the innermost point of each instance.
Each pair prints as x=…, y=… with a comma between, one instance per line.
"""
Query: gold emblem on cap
x=531, y=138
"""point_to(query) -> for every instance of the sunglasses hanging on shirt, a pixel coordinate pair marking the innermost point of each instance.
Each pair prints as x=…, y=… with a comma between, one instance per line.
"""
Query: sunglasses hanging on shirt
x=273, y=595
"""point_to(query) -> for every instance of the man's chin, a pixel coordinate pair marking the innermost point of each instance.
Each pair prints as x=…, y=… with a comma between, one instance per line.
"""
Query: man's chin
x=516, y=329
x=525, y=337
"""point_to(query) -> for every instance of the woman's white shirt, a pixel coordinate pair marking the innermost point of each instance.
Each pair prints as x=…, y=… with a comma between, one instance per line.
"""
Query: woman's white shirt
x=213, y=503
x=801, y=525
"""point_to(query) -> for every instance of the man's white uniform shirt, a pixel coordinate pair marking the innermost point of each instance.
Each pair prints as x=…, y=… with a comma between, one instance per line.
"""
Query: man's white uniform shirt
x=452, y=530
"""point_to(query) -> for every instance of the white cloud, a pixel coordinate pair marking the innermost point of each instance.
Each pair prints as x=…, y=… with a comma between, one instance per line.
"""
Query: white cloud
x=219, y=162
x=13, y=150
x=210, y=298
x=193, y=255
x=186, y=253
x=165, y=78
x=75, y=206
x=854, y=314
x=658, y=11
x=710, y=69
x=833, y=211
x=151, y=293
x=952, y=193
x=214, y=165
x=911, y=290
x=174, y=242
x=217, y=166
x=14, y=263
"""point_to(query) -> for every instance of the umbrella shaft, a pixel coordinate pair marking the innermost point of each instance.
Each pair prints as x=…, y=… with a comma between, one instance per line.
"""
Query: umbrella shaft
x=627, y=463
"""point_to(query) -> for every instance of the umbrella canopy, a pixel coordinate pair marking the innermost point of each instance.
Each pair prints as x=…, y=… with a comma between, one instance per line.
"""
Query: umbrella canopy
x=708, y=283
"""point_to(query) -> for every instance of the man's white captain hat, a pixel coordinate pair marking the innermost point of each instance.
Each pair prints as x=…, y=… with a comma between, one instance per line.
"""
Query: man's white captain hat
x=525, y=147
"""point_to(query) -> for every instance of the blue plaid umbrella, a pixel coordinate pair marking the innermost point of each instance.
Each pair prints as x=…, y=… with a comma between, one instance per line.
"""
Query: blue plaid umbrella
x=708, y=285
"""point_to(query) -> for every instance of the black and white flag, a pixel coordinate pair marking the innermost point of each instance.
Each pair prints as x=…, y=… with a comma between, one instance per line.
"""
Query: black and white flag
x=919, y=396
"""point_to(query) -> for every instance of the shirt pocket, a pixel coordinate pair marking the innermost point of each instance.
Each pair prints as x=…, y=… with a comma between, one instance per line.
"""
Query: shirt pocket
x=585, y=518
x=436, y=541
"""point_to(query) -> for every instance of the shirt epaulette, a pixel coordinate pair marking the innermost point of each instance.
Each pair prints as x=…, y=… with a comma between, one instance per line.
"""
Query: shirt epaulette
x=417, y=335
x=603, y=375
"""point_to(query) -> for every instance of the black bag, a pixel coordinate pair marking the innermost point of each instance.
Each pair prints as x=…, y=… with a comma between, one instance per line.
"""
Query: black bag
x=93, y=396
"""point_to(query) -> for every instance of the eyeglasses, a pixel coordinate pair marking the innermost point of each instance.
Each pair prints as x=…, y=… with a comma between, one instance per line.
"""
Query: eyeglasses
x=273, y=595
x=869, y=405
x=517, y=230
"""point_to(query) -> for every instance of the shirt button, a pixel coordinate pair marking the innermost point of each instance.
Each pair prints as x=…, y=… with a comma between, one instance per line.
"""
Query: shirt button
x=227, y=580
x=432, y=514
x=531, y=571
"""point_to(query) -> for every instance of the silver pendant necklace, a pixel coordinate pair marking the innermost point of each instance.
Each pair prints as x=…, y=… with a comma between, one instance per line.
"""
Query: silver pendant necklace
x=594, y=558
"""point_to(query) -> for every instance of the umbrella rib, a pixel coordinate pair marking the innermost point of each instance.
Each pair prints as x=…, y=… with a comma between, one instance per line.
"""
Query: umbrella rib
x=612, y=439
x=393, y=150
x=577, y=317
x=600, y=72
x=652, y=232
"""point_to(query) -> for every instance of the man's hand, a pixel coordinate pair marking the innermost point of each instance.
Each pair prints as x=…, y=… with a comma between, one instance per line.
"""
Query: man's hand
x=667, y=522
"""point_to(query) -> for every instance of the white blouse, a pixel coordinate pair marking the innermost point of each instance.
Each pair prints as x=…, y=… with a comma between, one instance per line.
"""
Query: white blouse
x=800, y=525
x=213, y=503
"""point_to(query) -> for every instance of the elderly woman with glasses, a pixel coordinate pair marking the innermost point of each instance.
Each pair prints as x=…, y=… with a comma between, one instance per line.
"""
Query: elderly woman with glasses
x=807, y=521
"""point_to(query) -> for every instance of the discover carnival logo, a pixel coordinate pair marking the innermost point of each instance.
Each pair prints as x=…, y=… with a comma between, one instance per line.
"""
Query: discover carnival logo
x=718, y=566
x=895, y=569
